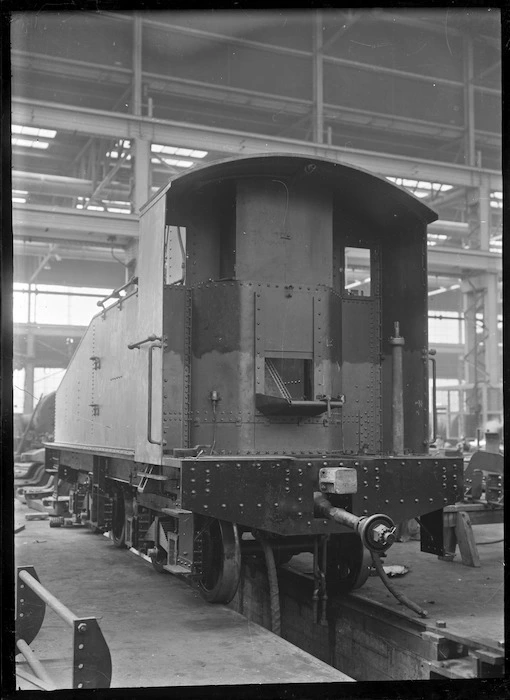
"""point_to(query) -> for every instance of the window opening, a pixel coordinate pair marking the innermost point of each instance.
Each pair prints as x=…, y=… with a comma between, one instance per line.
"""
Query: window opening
x=357, y=271
x=175, y=255
x=289, y=378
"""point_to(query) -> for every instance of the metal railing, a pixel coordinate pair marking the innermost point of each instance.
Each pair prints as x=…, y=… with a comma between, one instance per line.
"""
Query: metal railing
x=92, y=665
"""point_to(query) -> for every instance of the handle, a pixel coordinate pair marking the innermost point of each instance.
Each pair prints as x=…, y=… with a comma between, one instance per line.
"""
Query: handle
x=149, y=379
x=432, y=360
x=150, y=339
x=116, y=292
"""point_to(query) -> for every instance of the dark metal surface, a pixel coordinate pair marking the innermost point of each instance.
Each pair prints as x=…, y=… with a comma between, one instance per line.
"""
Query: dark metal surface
x=278, y=495
x=92, y=664
x=30, y=609
x=431, y=533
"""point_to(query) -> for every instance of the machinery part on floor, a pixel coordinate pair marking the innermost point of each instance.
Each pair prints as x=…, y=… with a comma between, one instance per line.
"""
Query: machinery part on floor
x=377, y=532
x=274, y=592
x=398, y=595
x=221, y=560
x=92, y=665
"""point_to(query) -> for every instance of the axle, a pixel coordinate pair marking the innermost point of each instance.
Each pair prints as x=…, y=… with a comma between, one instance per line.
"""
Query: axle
x=377, y=532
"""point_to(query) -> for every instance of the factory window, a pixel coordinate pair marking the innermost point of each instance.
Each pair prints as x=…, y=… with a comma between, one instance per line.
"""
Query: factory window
x=289, y=378
x=357, y=272
x=175, y=255
x=56, y=305
x=446, y=327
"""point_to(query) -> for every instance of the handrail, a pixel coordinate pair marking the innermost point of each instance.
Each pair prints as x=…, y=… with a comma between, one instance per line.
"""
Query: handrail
x=115, y=294
x=149, y=398
x=150, y=339
x=433, y=360
x=92, y=665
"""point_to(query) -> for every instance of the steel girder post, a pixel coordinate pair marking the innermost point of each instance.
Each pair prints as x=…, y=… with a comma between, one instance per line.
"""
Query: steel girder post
x=140, y=147
x=318, y=80
x=469, y=102
x=492, y=361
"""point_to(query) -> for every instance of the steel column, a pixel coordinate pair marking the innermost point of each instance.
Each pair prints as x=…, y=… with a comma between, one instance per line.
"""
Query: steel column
x=318, y=80
x=141, y=145
x=492, y=361
x=469, y=102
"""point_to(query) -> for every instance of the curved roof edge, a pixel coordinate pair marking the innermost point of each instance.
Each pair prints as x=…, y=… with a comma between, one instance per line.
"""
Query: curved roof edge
x=242, y=165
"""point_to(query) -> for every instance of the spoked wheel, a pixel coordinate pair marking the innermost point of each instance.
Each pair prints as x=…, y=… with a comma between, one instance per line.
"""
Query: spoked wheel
x=348, y=564
x=118, y=519
x=221, y=561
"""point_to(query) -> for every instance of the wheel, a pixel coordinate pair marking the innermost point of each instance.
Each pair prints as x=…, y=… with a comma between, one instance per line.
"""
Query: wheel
x=118, y=529
x=221, y=561
x=348, y=564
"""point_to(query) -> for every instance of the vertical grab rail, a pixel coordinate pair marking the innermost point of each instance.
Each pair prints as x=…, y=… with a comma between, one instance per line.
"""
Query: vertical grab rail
x=92, y=664
x=433, y=361
x=149, y=398
x=157, y=343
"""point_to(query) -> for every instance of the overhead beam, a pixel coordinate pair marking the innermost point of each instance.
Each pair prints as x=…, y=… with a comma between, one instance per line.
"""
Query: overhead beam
x=286, y=50
x=50, y=223
x=53, y=330
x=68, y=252
x=60, y=223
x=452, y=262
x=198, y=90
x=116, y=125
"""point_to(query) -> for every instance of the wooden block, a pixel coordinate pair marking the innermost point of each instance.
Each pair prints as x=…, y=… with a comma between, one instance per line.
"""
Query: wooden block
x=466, y=541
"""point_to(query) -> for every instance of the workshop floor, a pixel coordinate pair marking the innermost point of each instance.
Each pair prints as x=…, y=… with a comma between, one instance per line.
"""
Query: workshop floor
x=159, y=630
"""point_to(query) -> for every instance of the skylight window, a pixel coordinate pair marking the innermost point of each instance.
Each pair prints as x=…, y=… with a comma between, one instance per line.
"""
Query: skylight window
x=33, y=131
x=29, y=143
x=496, y=200
x=420, y=188
x=177, y=151
x=174, y=161
x=19, y=196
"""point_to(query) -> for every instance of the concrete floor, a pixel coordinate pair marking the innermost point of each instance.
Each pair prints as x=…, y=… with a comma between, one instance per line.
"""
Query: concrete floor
x=159, y=630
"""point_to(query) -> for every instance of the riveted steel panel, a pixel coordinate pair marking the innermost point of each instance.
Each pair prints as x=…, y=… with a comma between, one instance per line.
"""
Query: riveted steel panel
x=361, y=375
x=150, y=322
x=284, y=231
x=95, y=403
x=175, y=378
x=269, y=494
x=404, y=488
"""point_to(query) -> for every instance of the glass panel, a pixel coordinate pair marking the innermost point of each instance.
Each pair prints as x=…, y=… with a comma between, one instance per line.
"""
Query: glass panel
x=357, y=271
x=175, y=254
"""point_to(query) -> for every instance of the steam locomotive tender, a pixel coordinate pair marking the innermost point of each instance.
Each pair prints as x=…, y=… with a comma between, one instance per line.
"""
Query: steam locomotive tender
x=242, y=394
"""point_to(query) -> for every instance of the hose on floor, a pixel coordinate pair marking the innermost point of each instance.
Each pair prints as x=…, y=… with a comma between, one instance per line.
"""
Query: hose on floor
x=398, y=595
x=274, y=594
x=501, y=539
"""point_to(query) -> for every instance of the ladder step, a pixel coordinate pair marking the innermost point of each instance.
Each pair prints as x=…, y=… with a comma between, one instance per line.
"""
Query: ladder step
x=175, y=511
x=176, y=569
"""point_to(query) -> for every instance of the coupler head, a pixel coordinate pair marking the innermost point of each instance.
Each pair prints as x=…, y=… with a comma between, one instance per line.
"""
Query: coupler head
x=377, y=532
